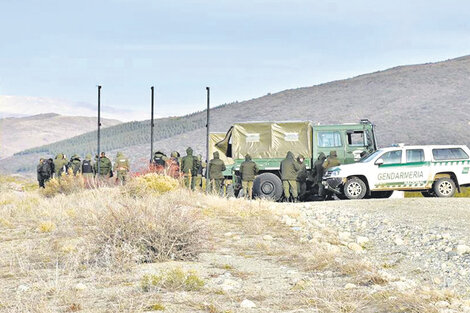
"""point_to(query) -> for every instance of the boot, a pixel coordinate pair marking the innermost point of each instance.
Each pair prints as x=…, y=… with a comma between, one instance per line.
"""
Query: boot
x=296, y=200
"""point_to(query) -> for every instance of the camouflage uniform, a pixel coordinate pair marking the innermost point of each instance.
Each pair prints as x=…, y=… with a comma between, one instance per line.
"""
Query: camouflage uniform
x=331, y=160
x=106, y=168
x=289, y=170
x=187, y=167
x=60, y=165
x=121, y=167
x=248, y=170
x=75, y=164
x=216, y=176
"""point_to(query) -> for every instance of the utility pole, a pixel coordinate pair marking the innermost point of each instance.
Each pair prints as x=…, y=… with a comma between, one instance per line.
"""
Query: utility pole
x=99, y=126
x=151, y=124
x=207, y=139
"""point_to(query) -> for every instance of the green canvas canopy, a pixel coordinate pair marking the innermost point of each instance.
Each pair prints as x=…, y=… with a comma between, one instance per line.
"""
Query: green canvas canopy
x=214, y=139
x=267, y=140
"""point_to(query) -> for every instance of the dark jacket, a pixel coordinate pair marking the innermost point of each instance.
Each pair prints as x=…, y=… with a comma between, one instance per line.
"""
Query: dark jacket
x=248, y=169
x=302, y=174
x=318, y=169
x=216, y=167
x=289, y=167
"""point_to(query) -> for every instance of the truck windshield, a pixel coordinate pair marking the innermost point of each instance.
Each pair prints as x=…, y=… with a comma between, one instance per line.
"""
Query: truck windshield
x=371, y=157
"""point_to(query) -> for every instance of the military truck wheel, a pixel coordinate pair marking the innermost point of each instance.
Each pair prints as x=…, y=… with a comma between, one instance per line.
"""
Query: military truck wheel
x=267, y=186
x=444, y=187
x=355, y=188
x=381, y=194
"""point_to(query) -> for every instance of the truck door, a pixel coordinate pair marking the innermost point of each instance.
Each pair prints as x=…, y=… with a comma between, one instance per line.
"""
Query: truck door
x=416, y=169
x=358, y=143
x=329, y=140
x=386, y=172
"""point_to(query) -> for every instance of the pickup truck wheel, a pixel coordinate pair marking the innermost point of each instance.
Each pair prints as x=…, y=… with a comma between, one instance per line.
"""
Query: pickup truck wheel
x=381, y=194
x=355, y=188
x=267, y=186
x=444, y=187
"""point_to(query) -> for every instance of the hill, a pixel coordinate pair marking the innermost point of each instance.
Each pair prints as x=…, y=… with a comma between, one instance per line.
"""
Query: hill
x=20, y=133
x=415, y=104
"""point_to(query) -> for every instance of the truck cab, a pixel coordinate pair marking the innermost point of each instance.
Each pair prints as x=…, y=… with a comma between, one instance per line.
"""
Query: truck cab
x=269, y=142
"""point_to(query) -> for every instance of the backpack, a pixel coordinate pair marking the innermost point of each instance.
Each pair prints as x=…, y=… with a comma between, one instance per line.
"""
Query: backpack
x=87, y=167
x=159, y=161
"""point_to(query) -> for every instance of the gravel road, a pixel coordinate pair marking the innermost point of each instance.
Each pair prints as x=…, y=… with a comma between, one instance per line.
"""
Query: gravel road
x=424, y=240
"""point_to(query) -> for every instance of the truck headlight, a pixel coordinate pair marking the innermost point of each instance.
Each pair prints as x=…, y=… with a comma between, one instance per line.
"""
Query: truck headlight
x=334, y=173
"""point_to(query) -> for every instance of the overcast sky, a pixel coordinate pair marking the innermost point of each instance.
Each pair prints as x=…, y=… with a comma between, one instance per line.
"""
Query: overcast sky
x=242, y=49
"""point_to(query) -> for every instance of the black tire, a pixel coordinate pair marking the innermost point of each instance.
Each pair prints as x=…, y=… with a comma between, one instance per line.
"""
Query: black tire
x=444, y=187
x=355, y=188
x=267, y=186
x=428, y=194
x=381, y=194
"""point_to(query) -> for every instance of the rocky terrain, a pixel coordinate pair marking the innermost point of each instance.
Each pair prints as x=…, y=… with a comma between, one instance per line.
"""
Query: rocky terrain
x=394, y=255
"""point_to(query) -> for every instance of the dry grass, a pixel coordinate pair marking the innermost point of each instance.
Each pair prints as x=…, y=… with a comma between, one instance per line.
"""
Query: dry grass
x=85, y=252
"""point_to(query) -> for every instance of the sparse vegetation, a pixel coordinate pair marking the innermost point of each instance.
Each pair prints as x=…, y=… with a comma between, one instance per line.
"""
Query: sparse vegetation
x=173, y=279
x=104, y=250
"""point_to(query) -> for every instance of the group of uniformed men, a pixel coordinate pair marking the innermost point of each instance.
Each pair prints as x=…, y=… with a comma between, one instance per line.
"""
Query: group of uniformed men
x=190, y=168
x=50, y=168
x=294, y=173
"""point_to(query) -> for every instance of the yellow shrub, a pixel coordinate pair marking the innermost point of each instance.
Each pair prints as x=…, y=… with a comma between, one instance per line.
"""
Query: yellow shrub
x=66, y=184
x=174, y=279
x=46, y=227
x=151, y=183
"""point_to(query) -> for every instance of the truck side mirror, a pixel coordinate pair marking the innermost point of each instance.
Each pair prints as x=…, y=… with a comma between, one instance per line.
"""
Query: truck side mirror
x=379, y=162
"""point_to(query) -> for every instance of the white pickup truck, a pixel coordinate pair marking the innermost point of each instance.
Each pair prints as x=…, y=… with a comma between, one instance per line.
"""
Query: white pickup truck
x=435, y=171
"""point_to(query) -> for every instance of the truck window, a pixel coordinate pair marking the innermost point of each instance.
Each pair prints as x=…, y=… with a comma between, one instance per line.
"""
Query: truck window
x=328, y=139
x=356, y=139
x=392, y=157
x=449, y=154
x=414, y=155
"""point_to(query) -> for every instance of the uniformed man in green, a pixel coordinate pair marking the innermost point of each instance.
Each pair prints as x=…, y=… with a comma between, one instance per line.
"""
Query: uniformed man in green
x=289, y=171
x=122, y=168
x=331, y=160
x=216, y=175
x=197, y=173
x=248, y=171
x=317, y=173
x=301, y=176
x=60, y=165
x=187, y=167
x=106, y=168
x=75, y=164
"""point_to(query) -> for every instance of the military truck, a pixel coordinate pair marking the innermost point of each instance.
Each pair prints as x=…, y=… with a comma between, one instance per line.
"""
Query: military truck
x=269, y=142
